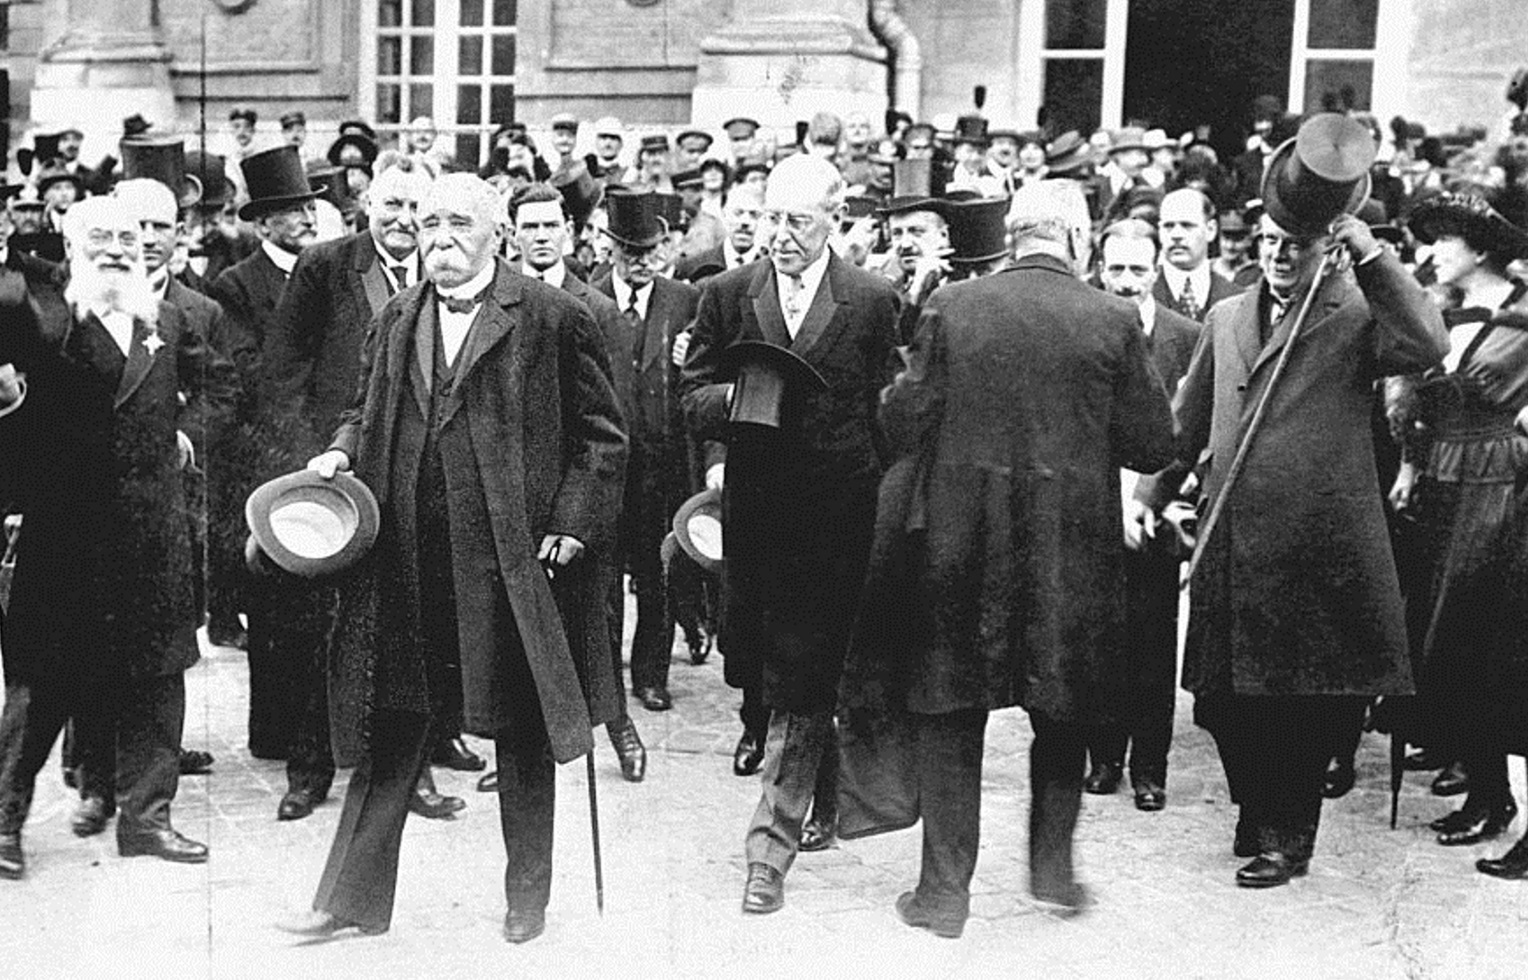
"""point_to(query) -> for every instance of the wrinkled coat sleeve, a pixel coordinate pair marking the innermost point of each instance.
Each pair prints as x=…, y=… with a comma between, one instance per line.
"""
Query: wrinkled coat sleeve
x=703, y=397
x=1410, y=335
x=594, y=435
x=913, y=404
x=347, y=438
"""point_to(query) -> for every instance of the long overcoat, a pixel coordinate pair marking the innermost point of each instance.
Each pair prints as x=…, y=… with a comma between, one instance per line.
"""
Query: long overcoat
x=998, y=574
x=103, y=585
x=547, y=451
x=799, y=504
x=1296, y=593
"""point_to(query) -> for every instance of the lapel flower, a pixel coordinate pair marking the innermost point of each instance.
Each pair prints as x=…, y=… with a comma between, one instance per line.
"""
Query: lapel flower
x=153, y=342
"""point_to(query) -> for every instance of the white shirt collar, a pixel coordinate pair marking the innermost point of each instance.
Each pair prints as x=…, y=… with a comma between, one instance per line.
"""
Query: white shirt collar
x=730, y=254
x=5, y=254
x=1148, y=308
x=1200, y=278
x=811, y=277
x=284, y=260
x=553, y=275
x=471, y=287
x=411, y=260
x=117, y=323
x=624, y=291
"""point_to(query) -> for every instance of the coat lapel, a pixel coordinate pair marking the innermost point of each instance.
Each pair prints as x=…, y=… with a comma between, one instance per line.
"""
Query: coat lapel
x=1328, y=300
x=656, y=329
x=139, y=361
x=422, y=367
x=764, y=306
x=825, y=305
x=371, y=281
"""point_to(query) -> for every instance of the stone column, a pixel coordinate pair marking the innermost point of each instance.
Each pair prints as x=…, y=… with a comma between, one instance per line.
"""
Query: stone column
x=110, y=63
x=780, y=61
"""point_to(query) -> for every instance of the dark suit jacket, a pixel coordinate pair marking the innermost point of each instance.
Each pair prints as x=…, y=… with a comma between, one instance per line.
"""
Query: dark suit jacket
x=1220, y=288
x=707, y=262
x=799, y=501
x=249, y=292
x=1296, y=590
x=312, y=350
x=531, y=443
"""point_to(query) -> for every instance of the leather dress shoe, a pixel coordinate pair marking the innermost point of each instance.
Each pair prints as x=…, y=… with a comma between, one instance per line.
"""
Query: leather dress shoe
x=1150, y=796
x=433, y=805
x=297, y=803
x=490, y=782
x=628, y=747
x=90, y=816
x=1512, y=865
x=1471, y=824
x=13, y=863
x=1422, y=760
x=818, y=833
x=748, y=755
x=1271, y=869
x=1452, y=781
x=454, y=754
x=165, y=843
x=194, y=762
x=1339, y=780
x=764, y=891
x=1104, y=779
x=700, y=643
x=523, y=925
x=919, y=916
x=1064, y=898
x=655, y=698
x=321, y=925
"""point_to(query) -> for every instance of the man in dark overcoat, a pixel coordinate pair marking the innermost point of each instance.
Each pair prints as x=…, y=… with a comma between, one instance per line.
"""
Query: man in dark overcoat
x=487, y=427
x=1295, y=614
x=799, y=501
x=102, y=616
x=1153, y=558
x=998, y=578
x=312, y=355
x=657, y=310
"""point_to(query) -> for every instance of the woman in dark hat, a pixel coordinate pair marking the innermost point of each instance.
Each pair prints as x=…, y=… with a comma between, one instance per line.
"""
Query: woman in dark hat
x=1464, y=462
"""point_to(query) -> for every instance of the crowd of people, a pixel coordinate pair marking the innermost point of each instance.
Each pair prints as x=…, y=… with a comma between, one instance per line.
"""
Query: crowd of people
x=973, y=405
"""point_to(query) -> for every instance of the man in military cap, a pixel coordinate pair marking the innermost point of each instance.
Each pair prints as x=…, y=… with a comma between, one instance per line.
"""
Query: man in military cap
x=800, y=499
x=605, y=162
x=564, y=127
x=740, y=133
x=651, y=171
x=692, y=146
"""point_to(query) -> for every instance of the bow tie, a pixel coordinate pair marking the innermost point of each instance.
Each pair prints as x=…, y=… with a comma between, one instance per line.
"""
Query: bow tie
x=466, y=305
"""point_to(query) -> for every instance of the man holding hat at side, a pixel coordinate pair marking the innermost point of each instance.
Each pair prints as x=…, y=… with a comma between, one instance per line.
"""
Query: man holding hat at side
x=799, y=471
x=1295, y=614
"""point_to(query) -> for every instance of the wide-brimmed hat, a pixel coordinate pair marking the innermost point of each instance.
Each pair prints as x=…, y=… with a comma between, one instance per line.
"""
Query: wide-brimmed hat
x=311, y=526
x=211, y=171
x=1470, y=216
x=276, y=181
x=55, y=172
x=1321, y=173
x=162, y=159
x=366, y=145
x=1129, y=138
x=767, y=376
x=698, y=529
x=581, y=193
x=358, y=126
x=1067, y=153
x=978, y=229
x=635, y=217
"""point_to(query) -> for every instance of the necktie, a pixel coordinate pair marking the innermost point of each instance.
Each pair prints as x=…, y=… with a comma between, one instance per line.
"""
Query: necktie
x=793, y=291
x=638, y=329
x=1188, y=303
x=400, y=276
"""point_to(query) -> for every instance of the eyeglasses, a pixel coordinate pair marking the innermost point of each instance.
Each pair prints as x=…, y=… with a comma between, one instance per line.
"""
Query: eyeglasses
x=102, y=237
x=797, y=221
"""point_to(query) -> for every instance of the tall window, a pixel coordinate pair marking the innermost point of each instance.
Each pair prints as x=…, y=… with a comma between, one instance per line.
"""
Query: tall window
x=452, y=60
x=1071, y=61
x=1332, y=66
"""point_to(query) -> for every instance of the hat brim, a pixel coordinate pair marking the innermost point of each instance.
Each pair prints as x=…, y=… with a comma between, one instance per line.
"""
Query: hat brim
x=637, y=242
x=907, y=205
x=1274, y=206
x=1129, y=146
x=1445, y=214
x=254, y=210
x=302, y=541
x=692, y=524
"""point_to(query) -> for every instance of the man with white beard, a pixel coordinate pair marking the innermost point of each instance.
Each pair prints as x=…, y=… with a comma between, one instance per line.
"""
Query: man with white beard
x=102, y=614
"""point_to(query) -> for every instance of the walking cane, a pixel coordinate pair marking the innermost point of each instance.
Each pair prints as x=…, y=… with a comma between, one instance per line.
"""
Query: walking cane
x=594, y=829
x=1328, y=263
x=1397, y=771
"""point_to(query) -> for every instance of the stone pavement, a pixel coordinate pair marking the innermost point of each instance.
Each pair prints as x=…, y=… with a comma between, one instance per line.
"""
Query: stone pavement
x=1377, y=904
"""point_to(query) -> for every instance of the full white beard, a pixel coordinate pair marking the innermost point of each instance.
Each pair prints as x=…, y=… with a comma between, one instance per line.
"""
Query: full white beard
x=90, y=288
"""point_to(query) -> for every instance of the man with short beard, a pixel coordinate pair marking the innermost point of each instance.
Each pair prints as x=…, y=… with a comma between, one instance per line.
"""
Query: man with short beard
x=102, y=616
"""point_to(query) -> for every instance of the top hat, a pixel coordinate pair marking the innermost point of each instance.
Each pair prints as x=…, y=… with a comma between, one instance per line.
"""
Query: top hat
x=698, y=529
x=276, y=181
x=766, y=375
x=1129, y=138
x=162, y=159
x=740, y=127
x=1067, y=154
x=1471, y=216
x=311, y=526
x=45, y=147
x=1321, y=173
x=971, y=129
x=694, y=134
x=211, y=172
x=581, y=193
x=635, y=217
x=1517, y=89
x=365, y=144
x=978, y=229
x=912, y=186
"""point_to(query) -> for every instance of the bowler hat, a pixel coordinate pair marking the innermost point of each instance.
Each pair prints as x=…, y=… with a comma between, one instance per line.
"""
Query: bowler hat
x=581, y=193
x=635, y=217
x=971, y=129
x=766, y=376
x=1470, y=216
x=54, y=173
x=210, y=170
x=698, y=529
x=1321, y=173
x=978, y=229
x=162, y=159
x=1067, y=154
x=311, y=526
x=135, y=125
x=276, y=181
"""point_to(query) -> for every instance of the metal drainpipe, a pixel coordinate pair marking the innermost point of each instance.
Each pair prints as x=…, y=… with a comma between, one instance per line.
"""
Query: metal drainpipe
x=907, y=57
